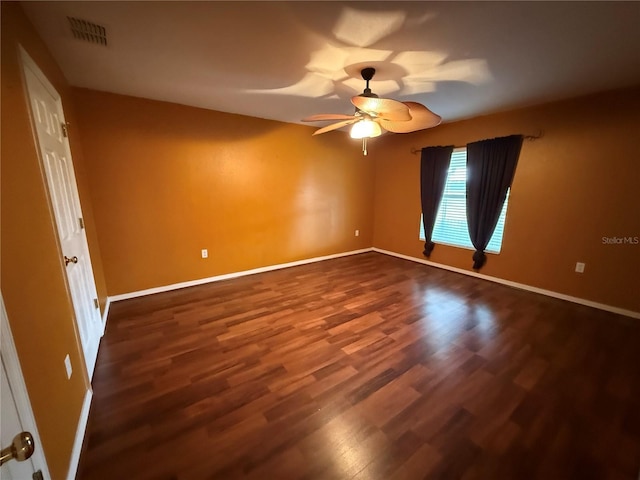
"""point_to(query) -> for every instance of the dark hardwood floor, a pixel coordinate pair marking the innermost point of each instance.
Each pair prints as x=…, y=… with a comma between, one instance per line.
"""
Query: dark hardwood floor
x=363, y=367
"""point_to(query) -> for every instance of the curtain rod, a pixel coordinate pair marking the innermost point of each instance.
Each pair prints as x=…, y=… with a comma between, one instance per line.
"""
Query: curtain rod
x=538, y=135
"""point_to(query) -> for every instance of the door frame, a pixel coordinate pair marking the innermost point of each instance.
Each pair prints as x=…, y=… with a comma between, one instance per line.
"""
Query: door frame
x=19, y=390
x=28, y=63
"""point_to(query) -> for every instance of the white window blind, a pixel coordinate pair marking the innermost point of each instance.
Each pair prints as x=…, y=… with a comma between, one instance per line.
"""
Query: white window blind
x=451, y=222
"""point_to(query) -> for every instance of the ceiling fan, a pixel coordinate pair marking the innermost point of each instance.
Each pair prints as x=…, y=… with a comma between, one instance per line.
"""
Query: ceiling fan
x=374, y=114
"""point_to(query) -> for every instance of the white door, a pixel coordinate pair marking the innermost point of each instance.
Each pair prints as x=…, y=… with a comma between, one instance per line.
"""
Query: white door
x=16, y=416
x=50, y=128
x=10, y=426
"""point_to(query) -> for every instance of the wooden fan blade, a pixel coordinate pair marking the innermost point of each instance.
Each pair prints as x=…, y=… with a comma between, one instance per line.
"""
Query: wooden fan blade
x=327, y=116
x=335, y=126
x=422, y=118
x=383, y=108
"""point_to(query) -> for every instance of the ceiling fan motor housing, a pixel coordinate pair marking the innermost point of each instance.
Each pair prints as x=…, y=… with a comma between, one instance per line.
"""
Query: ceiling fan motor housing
x=367, y=74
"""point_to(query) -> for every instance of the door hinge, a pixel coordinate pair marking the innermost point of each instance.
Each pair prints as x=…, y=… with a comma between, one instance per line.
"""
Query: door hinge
x=37, y=475
x=96, y=303
x=65, y=129
x=81, y=222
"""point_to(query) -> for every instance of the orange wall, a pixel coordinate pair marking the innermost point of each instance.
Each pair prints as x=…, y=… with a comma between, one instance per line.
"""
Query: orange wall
x=165, y=181
x=33, y=283
x=169, y=180
x=577, y=184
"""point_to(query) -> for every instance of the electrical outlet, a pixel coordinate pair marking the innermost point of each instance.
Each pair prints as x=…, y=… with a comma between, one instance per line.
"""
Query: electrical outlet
x=67, y=365
x=580, y=267
x=357, y=233
x=205, y=253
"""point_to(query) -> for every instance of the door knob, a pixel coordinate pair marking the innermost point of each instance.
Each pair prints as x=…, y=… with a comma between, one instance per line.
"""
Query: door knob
x=21, y=448
x=68, y=260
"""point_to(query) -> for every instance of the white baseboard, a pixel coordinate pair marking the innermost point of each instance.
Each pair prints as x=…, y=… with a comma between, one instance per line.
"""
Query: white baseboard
x=227, y=276
x=80, y=432
x=521, y=286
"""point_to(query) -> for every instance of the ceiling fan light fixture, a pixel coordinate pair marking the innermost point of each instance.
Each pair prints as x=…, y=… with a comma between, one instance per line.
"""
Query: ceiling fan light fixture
x=365, y=128
x=374, y=115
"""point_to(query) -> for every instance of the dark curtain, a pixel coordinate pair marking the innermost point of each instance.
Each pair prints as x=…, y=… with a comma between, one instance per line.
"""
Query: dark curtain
x=434, y=165
x=491, y=165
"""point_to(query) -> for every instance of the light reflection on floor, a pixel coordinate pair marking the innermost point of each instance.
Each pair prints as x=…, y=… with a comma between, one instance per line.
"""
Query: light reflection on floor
x=450, y=318
x=349, y=436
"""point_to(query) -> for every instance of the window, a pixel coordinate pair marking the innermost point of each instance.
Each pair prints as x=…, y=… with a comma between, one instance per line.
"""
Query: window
x=451, y=221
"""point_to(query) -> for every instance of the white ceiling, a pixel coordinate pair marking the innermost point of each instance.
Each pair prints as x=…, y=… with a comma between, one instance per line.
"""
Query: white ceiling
x=288, y=60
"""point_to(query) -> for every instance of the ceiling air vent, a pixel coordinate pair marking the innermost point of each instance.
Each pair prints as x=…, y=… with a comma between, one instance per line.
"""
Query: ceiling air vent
x=87, y=31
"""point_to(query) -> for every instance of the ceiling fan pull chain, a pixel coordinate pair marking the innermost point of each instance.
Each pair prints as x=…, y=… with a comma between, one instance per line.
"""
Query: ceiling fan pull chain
x=364, y=145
